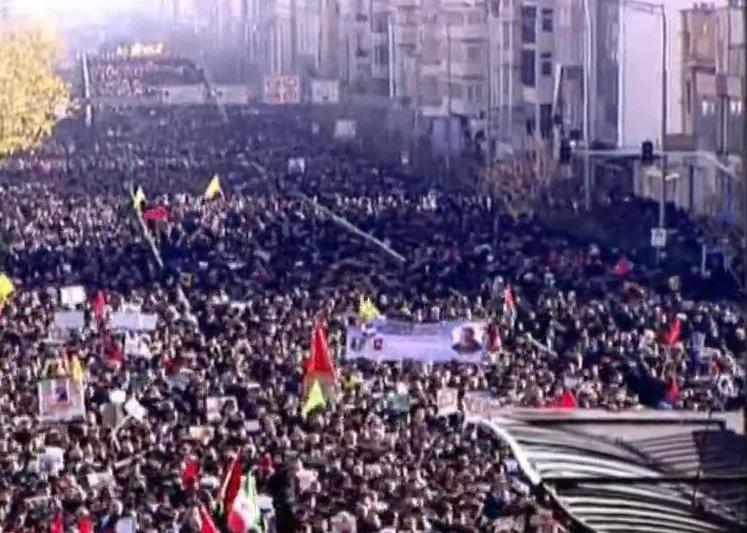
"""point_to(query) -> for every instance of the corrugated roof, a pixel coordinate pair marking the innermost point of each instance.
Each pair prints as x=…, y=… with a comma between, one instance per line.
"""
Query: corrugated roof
x=627, y=496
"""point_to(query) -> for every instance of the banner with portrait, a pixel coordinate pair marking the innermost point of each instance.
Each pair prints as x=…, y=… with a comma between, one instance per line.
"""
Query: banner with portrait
x=282, y=90
x=460, y=340
x=61, y=400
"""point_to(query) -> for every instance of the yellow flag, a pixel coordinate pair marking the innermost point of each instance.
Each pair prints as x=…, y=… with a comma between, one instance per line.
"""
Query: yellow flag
x=138, y=198
x=6, y=287
x=213, y=188
x=367, y=311
x=315, y=399
x=76, y=370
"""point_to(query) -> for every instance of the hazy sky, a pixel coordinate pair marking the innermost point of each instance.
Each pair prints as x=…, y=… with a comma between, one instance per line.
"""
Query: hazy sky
x=72, y=8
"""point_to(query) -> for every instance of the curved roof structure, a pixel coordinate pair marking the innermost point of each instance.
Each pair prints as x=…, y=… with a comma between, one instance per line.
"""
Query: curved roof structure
x=609, y=485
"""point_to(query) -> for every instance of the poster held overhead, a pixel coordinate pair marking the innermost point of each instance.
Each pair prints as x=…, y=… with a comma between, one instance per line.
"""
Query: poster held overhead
x=69, y=320
x=61, y=400
x=133, y=321
x=72, y=296
x=345, y=129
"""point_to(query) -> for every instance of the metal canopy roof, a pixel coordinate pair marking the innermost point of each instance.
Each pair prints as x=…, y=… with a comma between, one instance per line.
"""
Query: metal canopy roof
x=611, y=486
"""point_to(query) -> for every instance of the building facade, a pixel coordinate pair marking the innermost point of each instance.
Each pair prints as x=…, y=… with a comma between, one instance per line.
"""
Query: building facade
x=713, y=70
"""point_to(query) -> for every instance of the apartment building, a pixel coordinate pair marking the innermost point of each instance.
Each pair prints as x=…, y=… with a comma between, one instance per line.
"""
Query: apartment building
x=713, y=70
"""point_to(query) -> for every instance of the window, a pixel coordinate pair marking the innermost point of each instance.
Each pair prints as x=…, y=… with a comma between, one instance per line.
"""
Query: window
x=380, y=22
x=507, y=29
x=546, y=64
x=475, y=18
x=456, y=90
x=528, y=21
x=547, y=20
x=429, y=91
x=527, y=68
x=735, y=106
x=474, y=54
x=707, y=107
x=381, y=54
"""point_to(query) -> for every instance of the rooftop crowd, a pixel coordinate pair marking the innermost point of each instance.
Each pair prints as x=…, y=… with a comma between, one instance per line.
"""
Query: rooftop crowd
x=246, y=277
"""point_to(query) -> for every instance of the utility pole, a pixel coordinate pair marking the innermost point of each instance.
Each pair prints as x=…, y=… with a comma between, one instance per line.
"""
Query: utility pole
x=744, y=189
x=489, y=113
x=448, y=101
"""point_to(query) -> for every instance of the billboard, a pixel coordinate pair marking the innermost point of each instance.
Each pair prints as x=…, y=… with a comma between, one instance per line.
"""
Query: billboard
x=325, y=91
x=231, y=94
x=282, y=90
x=345, y=129
x=183, y=94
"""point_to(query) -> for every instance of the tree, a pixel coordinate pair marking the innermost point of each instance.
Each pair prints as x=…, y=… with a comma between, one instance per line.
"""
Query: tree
x=31, y=94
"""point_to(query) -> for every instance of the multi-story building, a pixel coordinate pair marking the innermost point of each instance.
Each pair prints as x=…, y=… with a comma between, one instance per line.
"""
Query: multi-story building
x=713, y=70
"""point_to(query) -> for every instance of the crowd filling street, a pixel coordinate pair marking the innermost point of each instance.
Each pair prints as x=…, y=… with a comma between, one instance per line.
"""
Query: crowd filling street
x=248, y=273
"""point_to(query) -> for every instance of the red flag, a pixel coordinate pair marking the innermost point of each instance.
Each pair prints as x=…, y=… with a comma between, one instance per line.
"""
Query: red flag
x=159, y=212
x=567, y=400
x=623, y=267
x=508, y=298
x=99, y=305
x=84, y=525
x=113, y=352
x=672, y=336
x=494, y=338
x=208, y=526
x=673, y=391
x=231, y=485
x=189, y=476
x=58, y=526
x=319, y=365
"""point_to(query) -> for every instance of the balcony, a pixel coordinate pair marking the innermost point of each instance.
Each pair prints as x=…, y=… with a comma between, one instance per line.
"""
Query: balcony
x=468, y=32
x=406, y=36
x=380, y=71
x=464, y=107
x=467, y=69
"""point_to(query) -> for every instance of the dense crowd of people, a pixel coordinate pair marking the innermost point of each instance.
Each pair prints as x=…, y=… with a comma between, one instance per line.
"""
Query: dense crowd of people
x=247, y=275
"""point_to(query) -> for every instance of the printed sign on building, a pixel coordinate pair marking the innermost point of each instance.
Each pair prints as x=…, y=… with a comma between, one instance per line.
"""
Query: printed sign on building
x=183, y=94
x=282, y=90
x=325, y=91
x=231, y=94
x=345, y=129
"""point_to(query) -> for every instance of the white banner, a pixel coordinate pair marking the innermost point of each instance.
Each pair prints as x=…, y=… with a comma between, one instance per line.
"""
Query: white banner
x=282, y=90
x=447, y=401
x=60, y=400
x=461, y=341
x=345, y=129
x=67, y=320
x=214, y=406
x=72, y=296
x=183, y=94
x=231, y=94
x=296, y=165
x=131, y=321
x=479, y=405
x=325, y=91
x=136, y=346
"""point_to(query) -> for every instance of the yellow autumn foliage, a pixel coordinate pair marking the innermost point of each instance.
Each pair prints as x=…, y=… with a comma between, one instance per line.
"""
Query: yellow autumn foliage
x=31, y=94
